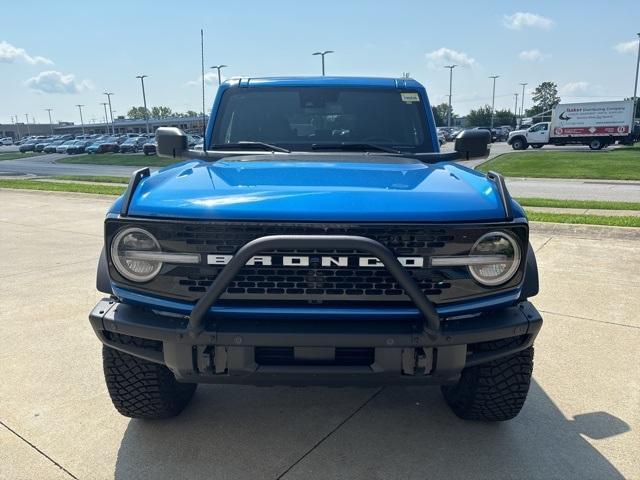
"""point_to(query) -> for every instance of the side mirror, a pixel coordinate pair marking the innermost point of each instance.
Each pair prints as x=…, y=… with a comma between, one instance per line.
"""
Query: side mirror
x=473, y=144
x=172, y=142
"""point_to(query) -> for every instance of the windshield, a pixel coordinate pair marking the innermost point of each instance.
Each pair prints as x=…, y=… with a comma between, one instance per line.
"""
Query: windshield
x=301, y=118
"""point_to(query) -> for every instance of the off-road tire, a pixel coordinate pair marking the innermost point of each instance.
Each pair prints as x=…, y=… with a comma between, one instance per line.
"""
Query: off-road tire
x=142, y=389
x=494, y=391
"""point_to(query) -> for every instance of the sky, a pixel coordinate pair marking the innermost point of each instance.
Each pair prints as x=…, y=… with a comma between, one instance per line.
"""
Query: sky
x=60, y=54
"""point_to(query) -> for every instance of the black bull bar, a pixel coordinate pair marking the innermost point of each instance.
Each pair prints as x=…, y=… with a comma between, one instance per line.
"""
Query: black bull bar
x=274, y=242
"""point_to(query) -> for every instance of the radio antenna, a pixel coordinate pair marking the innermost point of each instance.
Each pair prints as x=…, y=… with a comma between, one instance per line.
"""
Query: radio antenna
x=204, y=124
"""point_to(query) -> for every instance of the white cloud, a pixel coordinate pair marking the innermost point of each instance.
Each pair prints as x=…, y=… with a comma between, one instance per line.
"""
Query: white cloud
x=444, y=56
x=210, y=78
x=11, y=54
x=533, y=55
x=56, y=82
x=574, y=87
x=627, y=47
x=526, y=19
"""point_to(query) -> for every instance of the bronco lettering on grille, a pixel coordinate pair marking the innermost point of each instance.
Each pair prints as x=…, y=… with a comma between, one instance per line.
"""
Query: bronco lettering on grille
x=322, y=261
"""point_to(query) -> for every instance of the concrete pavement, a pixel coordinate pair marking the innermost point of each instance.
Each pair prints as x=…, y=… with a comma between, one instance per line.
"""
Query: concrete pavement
x=581, y=420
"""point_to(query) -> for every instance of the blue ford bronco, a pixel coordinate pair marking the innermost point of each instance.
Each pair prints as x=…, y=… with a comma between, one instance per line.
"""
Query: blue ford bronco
x=319, y=238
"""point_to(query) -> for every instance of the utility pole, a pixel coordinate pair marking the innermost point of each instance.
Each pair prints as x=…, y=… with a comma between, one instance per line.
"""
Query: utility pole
x=635, y=87
x=450, y=67
x=81, y=120
x=26, y=115
x=144, y=100
x=50, y=124
x=493, y=98
x=322, y=54
x=17, y=126
x=113, y=127
x=106, y=117
x=218, y=68
x=522, y=108
x=515, y=109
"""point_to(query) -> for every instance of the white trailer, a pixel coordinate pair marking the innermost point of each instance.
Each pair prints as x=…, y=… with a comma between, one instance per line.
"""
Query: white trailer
x=596, y=124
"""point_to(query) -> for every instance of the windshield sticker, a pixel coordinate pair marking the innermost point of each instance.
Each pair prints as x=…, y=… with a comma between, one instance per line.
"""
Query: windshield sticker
x=410, y=97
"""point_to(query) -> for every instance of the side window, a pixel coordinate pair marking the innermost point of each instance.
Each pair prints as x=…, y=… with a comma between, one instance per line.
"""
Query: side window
x=544, y=127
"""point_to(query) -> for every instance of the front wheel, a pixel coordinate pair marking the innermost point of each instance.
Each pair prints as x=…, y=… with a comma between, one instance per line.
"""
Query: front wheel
x=494, y=391
x=519, y=144
x=596, y=144
x=142, y=389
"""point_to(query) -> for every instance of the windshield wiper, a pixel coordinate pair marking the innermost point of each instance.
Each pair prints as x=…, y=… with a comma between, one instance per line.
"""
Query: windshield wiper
x=246, y=145
x=363, y=147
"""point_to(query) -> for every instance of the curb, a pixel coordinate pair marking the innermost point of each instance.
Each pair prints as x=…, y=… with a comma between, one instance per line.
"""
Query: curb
x=593, y=232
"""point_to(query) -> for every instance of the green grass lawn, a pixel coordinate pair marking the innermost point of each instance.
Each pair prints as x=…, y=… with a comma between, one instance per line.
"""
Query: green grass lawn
x=96, y=178
x=15, y=155
x=599, y=204
x=614, y=164
x=119, y=159
x=62, y=187
x=583, y=219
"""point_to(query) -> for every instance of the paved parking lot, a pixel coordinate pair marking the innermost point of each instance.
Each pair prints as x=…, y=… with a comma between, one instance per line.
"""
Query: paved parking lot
x=581, y=420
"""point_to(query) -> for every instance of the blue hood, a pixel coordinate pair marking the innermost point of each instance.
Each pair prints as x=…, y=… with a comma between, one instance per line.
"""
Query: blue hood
x=318, y=188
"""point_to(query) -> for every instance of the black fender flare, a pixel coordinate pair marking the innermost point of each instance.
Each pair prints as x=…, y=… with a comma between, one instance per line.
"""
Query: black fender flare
x=531, y=284
x=103, y=282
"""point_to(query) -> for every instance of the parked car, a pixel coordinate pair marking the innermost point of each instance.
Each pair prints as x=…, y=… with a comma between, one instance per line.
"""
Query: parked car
x=62, y=148
x=441, y=138
x=78, y=146
x=149, y=148
x=103, y=146
x=43, y=143
x=133, y=144
x=6, y=141
x=29, y=146
x=51, y=147
x=494, y=136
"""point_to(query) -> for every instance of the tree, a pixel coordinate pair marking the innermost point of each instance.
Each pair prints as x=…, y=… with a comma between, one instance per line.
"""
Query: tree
x=442, y=114
x=480, y=117
x=436, y=116
x=137, y=113
x=545, y=97
x=503, y=117
x=161, y=112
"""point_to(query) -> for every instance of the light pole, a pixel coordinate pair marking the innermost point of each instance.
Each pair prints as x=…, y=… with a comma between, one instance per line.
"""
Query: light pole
x=17, y=126
x=635, y=87
x=522, y=107
x=26, y=115
x=515, y=110
x=493, y=98
x=144, y=100
x=450, y=67
x=322, y=54
x=81, y=120
x=106, y=117
x=113, y=127
x=50, y=124
x=218, y=68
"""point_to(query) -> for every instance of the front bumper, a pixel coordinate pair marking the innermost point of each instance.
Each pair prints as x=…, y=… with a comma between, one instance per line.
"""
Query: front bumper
x=225, y=350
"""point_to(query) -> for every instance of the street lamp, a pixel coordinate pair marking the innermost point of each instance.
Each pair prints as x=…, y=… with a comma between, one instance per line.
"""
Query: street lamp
x=26, y=115
x=522, y=107
x=635, y=87
x=50, y=124
x=113, y=127
x=17, y=126
x=106, y=117
x=515, y=110
x=144, y=100
x=493, y=98
x=450, y=67
x=218, y=68
x=322, y=54
x=81, y=120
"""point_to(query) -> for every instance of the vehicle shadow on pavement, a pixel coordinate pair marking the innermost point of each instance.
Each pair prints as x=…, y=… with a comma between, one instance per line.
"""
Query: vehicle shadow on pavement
x=402, y=432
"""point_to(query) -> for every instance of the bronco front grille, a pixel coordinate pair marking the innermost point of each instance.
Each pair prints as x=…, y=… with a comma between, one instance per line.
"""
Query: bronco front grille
x=313, y=283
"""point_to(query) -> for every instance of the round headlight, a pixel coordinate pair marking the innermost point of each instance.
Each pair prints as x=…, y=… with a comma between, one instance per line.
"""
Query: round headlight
x=498, y=270
x=128, y=254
